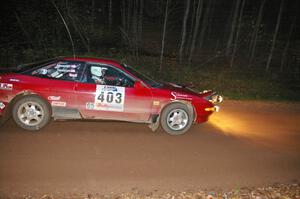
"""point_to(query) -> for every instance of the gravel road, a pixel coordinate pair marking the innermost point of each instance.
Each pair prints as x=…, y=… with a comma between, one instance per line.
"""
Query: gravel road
x=246, y=144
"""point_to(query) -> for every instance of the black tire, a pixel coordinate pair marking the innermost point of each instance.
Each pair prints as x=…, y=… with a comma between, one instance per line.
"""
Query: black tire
x=182, y=124
x=2, y=121
x=31, y=113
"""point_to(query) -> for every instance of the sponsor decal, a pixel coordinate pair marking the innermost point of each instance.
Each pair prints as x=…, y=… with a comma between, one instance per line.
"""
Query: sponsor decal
x=109, y=98
x=73, y=75
x=55, y=74
x=155, y=103
x=176, y=96
x=90, y=105
x=14, y=80
x=54, y=98
x=58, y=103
x=5, y=86
x=2, y=105
x=109, y=88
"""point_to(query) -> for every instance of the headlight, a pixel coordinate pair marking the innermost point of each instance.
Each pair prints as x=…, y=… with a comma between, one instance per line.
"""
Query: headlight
x=214, y=98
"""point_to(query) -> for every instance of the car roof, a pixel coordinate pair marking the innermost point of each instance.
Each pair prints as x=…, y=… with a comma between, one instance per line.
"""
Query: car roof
x=97, y=60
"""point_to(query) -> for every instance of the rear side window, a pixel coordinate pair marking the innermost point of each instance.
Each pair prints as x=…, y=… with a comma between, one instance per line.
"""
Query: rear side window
x=63, y=70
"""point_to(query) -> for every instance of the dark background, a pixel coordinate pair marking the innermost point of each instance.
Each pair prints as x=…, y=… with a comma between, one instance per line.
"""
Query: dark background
x=219, y=48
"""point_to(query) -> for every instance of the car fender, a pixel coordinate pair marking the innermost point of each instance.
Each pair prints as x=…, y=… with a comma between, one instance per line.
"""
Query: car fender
x=20, y=95
x=186, y=102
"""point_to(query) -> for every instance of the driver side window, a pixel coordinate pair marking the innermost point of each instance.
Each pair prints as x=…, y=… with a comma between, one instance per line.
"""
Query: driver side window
x=106, y=75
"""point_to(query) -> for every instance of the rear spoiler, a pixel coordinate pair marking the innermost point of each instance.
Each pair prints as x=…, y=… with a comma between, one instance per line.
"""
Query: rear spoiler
x=23, y=67
x=8, y=70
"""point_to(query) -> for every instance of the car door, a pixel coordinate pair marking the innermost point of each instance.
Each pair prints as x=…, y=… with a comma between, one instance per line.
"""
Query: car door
x=106, y=92
x=56, y=81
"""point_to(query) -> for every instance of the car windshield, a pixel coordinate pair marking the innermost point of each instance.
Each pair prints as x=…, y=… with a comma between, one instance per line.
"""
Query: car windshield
x=142, y=77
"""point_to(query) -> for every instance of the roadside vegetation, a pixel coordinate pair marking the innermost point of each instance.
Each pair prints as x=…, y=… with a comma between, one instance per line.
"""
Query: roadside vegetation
x=232, y=83
x=244, y=49
x=277, y=191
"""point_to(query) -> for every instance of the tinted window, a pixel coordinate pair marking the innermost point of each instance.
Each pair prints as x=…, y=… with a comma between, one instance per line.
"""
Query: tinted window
x=64, y=70
x=106, y=75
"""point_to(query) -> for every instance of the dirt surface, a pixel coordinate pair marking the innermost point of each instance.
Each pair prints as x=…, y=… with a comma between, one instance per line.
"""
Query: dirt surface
x=245, y=144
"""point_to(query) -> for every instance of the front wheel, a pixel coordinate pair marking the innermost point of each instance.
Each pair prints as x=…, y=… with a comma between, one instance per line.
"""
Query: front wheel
x=176, y=119
x=31, y=113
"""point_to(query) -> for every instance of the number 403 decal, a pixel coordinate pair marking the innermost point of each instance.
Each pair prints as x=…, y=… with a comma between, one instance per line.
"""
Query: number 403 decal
x=110, y=97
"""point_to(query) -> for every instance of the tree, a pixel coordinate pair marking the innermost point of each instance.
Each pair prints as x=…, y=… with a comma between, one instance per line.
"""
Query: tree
x=109, y=14
x=275, y=36
x=233, y=28
x=163, y=35
x=196, y=28
x=66, y=26
x=253, y=41
x=205, y=23
x=84, y=38
x=284, y=54
x=237, y=33
x=131, y=29
x=183, y=32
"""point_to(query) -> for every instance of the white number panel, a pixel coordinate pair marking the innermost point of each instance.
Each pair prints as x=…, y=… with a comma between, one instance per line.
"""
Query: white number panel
x=109, y=98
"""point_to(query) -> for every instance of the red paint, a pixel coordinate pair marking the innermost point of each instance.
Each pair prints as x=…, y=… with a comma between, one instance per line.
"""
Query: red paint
x=138, y=104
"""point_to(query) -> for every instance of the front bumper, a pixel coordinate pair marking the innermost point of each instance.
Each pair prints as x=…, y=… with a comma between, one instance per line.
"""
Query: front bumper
x=207, y=107
x=213, y=109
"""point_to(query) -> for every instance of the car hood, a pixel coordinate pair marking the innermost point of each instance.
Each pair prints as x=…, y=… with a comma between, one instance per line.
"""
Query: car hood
x=184, y=90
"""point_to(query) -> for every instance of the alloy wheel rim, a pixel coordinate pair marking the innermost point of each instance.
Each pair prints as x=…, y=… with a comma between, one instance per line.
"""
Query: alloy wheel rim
x=177, y=119
x=31, y=113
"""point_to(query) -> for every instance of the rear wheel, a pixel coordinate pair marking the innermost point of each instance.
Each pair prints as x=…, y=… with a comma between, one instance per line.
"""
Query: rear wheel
x=31, y=113
x=176, y=119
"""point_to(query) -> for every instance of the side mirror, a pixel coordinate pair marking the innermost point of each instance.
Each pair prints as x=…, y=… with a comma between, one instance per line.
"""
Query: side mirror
x=138, y=85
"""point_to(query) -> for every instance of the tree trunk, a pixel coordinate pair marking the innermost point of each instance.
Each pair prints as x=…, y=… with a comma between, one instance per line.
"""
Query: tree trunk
x=135, y=28
x=194, y=6
x=283, y=59
x=110, y=14
x=210, y=25
x=132, y=24
x=84, y=39
x=129, y=10
x=163, y=36
x=24, y=30
x=196, y=29
x=255, y=33
x=140, y=22
x=274, y=36
x=66, y=26
x=183, y=34
x=238, y=32
x=233, y=28
x=93, y=16
x=123, y=22
x=204, y=24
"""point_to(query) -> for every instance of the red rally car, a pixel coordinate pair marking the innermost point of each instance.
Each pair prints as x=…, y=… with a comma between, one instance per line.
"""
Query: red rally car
x=90, y=88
